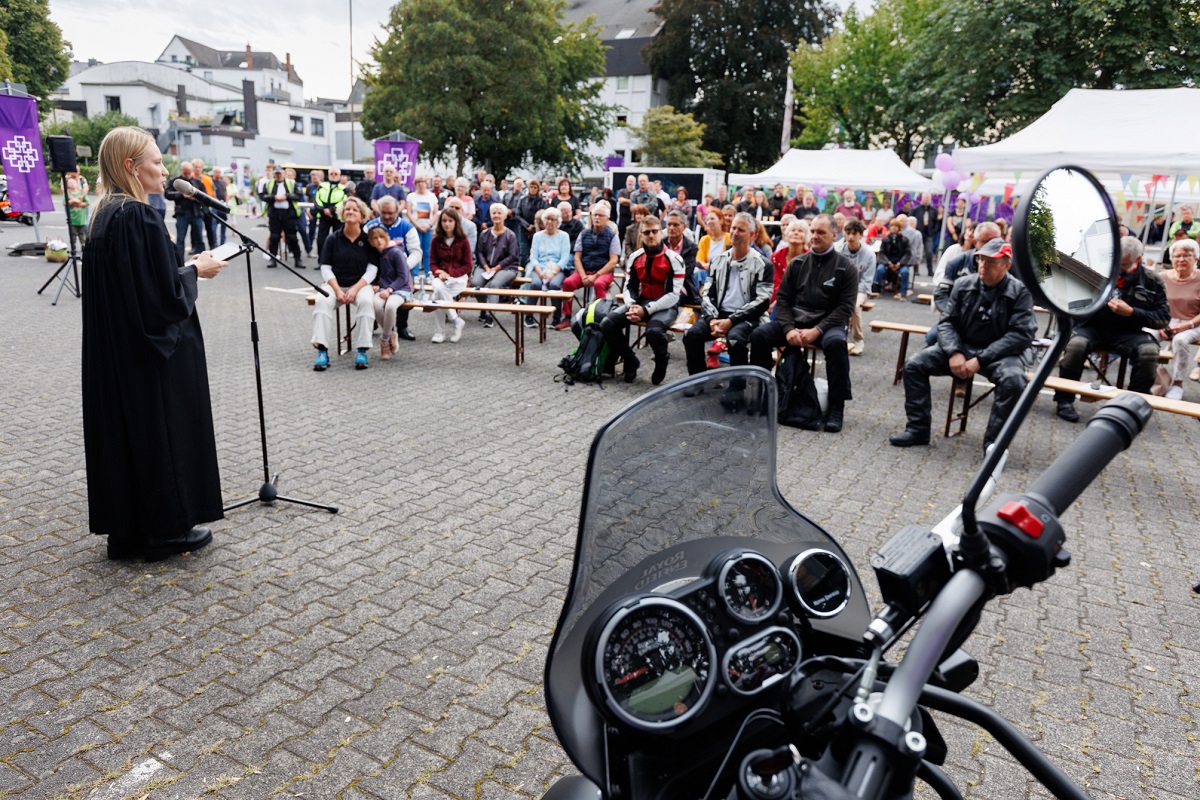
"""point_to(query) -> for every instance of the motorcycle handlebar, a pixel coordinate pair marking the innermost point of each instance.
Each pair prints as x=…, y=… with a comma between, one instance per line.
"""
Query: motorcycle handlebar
x=1111, y=430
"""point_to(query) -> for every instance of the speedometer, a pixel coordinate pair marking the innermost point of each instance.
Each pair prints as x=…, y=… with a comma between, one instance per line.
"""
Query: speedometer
x=655, y=664
x=750, y=587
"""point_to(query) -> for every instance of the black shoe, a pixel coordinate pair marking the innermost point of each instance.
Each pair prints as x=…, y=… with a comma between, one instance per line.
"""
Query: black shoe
x=490, y=322
x=407, y=335
x=631, y=367
x=298, y=265
x=833, y=422
x=192, y=540
x=271, y=264
x=1066, y=410
x=908, y=438
x=660, y=371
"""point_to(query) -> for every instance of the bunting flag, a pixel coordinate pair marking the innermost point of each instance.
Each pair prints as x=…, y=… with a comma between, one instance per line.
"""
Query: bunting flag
x=1148, y=187
x=1133, y=184
x=1128, y=204
x=1008, y=191
x=1125, y=177
x=1017, y=176
x=1121, y=199
x=976, y=181
x=1192, y=179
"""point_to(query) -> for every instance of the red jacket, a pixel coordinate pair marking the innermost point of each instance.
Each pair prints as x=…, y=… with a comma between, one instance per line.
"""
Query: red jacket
x=455, y=258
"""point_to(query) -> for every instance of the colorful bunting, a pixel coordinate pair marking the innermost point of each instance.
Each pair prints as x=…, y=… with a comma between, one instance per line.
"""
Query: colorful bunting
x=1008, y=191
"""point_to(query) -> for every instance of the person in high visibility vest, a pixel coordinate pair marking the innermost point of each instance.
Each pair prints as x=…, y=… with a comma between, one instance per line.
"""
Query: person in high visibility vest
x=329, y=196
x=282, y=197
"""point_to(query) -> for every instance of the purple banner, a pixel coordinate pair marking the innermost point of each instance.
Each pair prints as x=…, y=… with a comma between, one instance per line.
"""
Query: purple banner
x=402, y=156
x=21, y=154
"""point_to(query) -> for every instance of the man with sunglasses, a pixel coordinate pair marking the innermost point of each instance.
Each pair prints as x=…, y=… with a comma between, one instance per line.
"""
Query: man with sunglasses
x=987, y=326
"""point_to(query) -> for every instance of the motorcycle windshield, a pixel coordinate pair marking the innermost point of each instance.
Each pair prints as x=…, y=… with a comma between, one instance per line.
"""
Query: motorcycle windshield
x=682, y=470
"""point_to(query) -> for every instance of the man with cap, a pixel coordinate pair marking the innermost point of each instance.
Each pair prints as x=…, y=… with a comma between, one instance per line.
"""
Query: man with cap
x=1139, y=301
x=987, y=326
x=281, y=197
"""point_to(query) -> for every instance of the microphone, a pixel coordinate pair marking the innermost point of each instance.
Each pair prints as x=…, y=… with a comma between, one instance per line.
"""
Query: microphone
x=189, y=191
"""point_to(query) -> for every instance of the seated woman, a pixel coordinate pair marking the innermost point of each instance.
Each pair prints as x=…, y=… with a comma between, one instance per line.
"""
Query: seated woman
x=348, y=266
x=549, y=261
x=892, y=252
x=450, y=260
x=393, y=288
x=795, y=237
x=496, y=261
x=633, y=232
x=712, y=244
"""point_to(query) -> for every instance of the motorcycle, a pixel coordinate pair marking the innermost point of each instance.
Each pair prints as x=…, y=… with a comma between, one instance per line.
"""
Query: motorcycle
x=716, y=643
x=7, y=213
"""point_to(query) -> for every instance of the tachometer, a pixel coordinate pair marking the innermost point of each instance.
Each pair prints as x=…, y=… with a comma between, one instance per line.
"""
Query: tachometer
x=819, y=582
x=750, y=587
x=655, y=664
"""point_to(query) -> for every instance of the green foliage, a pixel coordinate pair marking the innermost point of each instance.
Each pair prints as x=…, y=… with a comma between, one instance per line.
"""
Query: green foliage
x=88, y=132
x=984, y=69
x=670, y=139
x=726, y=62
x=500, y=84
x=40, y=58
x=847, y=89
x=6, y=71
x=1042, y=238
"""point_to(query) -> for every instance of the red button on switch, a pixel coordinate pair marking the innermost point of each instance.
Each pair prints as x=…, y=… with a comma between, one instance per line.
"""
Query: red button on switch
x=1019, y=515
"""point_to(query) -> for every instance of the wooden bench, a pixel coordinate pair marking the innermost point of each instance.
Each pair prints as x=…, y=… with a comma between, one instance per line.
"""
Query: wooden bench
x=1084, y=390
x=925, y=299
x=1101, y=360
x=904, y=329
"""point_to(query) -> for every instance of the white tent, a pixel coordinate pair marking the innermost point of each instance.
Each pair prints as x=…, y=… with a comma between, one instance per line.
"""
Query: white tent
x=1134, y=131
x=838, y=169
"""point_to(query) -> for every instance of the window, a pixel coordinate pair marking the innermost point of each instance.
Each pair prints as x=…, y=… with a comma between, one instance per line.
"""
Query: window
x=635, y=156
x=623, y=83
x=626, y=33
x=112, y=102
x=208, y=74
x=187, y=138
x=239, y=142
x=297, y=124
x=318, y=126
x=205, y=139
x=622, y=119
x=174, y=58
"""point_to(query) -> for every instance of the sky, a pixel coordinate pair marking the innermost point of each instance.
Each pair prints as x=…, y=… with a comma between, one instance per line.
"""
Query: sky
x=315, y=32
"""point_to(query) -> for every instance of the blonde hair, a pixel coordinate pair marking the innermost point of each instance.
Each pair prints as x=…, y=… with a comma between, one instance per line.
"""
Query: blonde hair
x=363, y=209
x=117, y=184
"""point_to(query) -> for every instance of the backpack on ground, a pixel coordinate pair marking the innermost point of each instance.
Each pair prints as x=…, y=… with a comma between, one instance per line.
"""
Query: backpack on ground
x=588, y=361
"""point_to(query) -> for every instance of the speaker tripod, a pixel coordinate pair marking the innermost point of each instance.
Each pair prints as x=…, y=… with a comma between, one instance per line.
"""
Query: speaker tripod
x=70, y=267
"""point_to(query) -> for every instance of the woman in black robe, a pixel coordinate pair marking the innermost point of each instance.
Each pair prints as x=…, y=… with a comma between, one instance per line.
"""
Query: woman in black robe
x=147, y=421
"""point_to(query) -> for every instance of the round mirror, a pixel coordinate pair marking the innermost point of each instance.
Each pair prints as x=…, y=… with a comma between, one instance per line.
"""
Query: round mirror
x=1065, y=243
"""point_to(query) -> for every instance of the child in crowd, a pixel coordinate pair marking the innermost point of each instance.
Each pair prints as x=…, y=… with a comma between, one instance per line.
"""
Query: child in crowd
x=77, y=212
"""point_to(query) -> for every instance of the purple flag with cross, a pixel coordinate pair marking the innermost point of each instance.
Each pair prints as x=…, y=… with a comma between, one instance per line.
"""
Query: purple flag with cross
x=21, y=154
x=402, y=156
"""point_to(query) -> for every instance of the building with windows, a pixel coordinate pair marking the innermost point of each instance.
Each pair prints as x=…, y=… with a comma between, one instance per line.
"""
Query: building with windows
x=627, y=27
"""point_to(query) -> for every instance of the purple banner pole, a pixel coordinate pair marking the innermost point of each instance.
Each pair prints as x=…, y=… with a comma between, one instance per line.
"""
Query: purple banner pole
x=21, y=154
x=402, y=156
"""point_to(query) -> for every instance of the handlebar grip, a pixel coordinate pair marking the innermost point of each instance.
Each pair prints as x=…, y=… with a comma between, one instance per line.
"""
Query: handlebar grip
x=1111, y=430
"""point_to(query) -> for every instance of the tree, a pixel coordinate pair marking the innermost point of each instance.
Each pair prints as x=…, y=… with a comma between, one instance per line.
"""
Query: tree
x=40, y=58
x=986, y=68
x=847, y=86
x=670, y=139
x=502, y=84
x=87, y=132
x=6, y=72
x=726, y=63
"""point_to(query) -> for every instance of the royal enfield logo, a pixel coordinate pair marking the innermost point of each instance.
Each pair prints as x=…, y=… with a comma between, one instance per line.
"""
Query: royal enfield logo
x=19, y=154
x=398, y=159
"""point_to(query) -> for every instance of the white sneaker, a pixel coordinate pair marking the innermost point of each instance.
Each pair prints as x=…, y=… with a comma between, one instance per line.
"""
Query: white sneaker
x=1195, y=374
x=1175, y=392
x=438, y=338
x=459, y=324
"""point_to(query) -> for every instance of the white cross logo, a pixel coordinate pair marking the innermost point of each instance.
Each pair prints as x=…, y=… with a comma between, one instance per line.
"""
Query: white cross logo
x=20, y=154
x=399, y=160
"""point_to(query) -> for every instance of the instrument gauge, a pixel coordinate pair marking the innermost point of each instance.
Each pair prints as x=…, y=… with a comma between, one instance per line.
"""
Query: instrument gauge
x=750, y=587
x=655, y=664
x=819, y=583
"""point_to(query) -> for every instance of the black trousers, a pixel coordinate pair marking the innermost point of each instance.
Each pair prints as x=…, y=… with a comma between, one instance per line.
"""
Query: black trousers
x=283, y=222
x=1008, y=374
x=767, y=337
x=1138, y=346
x=738, y=339
x=324, y=226
x=616, y=326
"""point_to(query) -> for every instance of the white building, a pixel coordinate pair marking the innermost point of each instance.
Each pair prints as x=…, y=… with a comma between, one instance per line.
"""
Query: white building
x=626, y=27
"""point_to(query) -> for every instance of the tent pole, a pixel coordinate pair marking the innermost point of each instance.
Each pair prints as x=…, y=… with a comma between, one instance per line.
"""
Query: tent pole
x=1170, y=213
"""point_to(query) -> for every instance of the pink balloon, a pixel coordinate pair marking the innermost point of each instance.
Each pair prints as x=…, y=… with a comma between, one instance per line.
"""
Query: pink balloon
x=950, y=180
x=822, y=192
x=817, y=187
x=976, y=197
x=944, y=162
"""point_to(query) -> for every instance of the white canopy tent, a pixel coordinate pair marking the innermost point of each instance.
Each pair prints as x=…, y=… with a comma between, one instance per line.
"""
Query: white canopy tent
x=1113, y=131
x=838, y=169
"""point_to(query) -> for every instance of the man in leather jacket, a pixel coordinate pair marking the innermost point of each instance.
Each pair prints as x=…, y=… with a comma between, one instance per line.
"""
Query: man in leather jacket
x=1139, y=301
x=987, y=326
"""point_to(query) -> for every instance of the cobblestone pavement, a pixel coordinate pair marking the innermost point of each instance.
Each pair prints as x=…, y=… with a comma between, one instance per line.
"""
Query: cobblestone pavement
x=395, y=650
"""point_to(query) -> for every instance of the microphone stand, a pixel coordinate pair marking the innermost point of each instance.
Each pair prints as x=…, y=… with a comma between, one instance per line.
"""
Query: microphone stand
x=267, y=493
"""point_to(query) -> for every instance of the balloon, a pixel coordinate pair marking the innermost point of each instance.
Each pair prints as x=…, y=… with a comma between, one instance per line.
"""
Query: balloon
x=817, y=188
x=822, y=192
x=975, y=197
x=944, y=162
x=950, y=180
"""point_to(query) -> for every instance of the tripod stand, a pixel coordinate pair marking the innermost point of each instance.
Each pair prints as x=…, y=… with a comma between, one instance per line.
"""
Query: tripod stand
x=267, y=493
x=71, y=265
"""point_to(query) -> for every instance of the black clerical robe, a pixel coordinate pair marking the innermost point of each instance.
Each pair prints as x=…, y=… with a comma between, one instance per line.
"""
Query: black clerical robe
x=147, y=419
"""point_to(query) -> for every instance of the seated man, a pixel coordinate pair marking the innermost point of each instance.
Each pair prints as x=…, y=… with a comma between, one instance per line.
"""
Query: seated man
x=738, y=292
x=401, y=232
x=894, y=256
x=654, y=276
x=958, y=266
x=596, y=253
x=815, y=303
x=1139, y=301
x=679, y=240
x=988, y=324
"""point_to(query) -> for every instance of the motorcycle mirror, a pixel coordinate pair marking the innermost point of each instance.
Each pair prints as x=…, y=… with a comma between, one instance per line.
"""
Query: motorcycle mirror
x=1065, y=244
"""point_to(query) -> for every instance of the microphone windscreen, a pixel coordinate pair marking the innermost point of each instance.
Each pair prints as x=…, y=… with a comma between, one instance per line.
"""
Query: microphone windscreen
x=184, y=187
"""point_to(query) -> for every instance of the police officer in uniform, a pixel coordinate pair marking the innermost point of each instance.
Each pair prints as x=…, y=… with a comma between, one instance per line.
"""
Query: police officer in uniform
x=281, y=198
x=329, y=196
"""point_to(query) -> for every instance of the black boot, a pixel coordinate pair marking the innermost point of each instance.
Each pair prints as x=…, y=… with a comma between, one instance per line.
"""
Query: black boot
x=833, y=420
x=631, y=366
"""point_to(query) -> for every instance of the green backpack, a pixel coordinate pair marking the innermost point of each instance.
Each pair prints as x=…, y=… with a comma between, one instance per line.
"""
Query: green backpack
x=588, y=362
